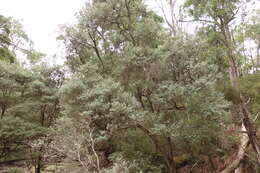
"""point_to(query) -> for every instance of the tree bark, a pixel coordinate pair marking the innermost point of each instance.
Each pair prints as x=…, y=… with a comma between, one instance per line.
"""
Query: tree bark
x=170, y=161
x=251, y=131
x=3, y=112
x=244, y=141
x=38, y=165
x=171, y=165
x=258, y=57
x=234, y=77
x=240, y=169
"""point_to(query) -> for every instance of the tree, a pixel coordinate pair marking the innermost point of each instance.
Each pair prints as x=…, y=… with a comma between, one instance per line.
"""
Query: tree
x=250, y=32
x=13, y=39
x=126, y=75
x=41, y=102
x=16, y=127
x=28, y=98
x=5, y=27
x=220, y=14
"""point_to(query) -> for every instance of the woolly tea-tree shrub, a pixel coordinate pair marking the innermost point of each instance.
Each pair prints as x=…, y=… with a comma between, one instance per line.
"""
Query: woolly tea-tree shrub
x=18, y=126
x=130, y=78
x=97, y=107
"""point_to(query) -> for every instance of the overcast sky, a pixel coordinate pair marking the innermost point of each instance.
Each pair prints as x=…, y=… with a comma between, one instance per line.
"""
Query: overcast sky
x=41, y=19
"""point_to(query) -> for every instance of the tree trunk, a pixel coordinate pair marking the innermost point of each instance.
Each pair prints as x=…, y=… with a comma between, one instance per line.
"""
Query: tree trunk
x=3, y=112
x=251, y=131
x=244, y=141
x=43, y=108
x=234, y=77
x=167, y=155
x=171, y=165
x=258, y=57
x=240, y=169
x=213, y=168
x=38, y=165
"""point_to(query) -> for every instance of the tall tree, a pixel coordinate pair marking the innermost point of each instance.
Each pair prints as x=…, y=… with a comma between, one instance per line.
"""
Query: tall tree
x=13, y=39
x=5, y=29
x=221, y=14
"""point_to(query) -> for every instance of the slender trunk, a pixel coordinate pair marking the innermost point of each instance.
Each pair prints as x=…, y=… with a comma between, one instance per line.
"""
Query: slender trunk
x=38, y=168
x=3, y=112
x=171, y=165
x=258, y=57
x=212, y=164
x=150, y=103
x=43, y=108
x=244, y=141
x=170, y=162
x=240, y=169
x=38, y=165
x=167, y=155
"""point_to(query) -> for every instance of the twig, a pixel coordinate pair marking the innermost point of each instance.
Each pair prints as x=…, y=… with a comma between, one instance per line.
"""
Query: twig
x=195, y=164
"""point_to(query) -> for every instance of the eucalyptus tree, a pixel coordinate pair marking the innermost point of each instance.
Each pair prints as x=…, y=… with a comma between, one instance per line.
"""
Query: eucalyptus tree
x=220, y=15
x=251, y=32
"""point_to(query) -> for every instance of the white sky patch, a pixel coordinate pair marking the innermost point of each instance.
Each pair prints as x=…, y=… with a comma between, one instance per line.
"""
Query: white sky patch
x=41, y=19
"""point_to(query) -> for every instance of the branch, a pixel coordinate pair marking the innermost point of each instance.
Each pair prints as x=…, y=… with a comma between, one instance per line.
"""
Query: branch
x=197, y=20
x=13, y=44
x=150, y=103
x=93, y=149
x=233, y=15
x=165, y=17
x=256, y=116
x=96, y=49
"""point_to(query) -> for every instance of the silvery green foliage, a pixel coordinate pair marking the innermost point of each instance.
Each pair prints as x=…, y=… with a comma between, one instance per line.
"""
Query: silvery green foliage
x=29, y=105
x=14, y=127
x=128, y=74
x=99, y=100
x=111, y=33
x=186, y=105
x=97, y=107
